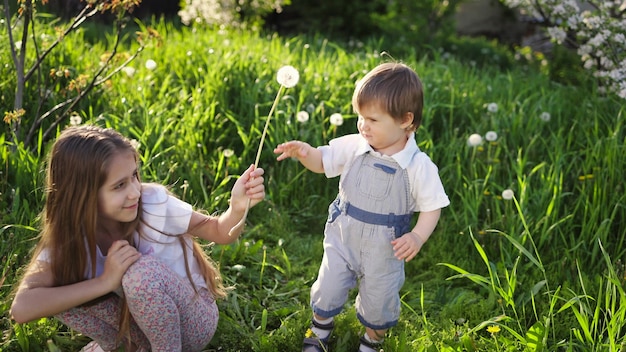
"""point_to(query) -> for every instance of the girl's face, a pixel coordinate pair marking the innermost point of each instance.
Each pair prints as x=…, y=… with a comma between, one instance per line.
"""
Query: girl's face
x=385, y=134
x=118, y=198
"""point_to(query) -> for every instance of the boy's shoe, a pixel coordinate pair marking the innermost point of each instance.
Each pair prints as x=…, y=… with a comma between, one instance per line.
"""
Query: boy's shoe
x=378, y=347
x=312, y=343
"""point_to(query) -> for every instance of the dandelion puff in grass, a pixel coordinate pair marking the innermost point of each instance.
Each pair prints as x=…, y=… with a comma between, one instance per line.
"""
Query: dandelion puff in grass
x=130, y=71
x=135, y=143
x=228, y=153
x=75, y=120
x=491, y=136
x=336, y=119
x=151, y=64
x=507, y=194
x=302, y=116
x=287, y=76
x=545, y=116
x=492, y=107
x=474, y=140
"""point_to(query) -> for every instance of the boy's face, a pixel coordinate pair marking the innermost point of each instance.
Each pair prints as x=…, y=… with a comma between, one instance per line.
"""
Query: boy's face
x=118, y=198
x=385, y=134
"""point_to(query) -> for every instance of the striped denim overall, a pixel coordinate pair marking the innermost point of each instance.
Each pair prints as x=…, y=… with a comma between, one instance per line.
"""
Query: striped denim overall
x=371, y=210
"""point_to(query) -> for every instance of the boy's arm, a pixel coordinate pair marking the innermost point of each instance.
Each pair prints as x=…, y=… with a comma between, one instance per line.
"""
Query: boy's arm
x=309, y=157
x=407, y=246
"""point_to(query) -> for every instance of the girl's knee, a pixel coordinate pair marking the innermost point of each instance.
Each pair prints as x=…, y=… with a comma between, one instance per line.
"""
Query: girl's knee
x=141, y=272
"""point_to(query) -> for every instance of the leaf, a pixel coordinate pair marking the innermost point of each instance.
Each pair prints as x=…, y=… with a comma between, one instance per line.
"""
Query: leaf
x=534, y=337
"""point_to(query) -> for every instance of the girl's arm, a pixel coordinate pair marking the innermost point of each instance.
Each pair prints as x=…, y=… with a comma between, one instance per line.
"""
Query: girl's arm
x=216, y=228
x=36, y=296
x=310, y=157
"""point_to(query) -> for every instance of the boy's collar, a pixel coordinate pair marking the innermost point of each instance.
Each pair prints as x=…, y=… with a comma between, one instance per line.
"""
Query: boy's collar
x=403, y=157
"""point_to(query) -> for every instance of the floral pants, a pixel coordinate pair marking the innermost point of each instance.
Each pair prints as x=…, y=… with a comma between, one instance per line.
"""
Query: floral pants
x=167, y=315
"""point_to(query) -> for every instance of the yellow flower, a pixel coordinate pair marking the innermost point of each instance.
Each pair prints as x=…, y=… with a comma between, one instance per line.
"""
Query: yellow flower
x=309, y=333
x=493, y=329
x=13, y=116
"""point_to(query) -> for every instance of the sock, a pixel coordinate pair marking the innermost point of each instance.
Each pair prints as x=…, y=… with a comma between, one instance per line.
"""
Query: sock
x=364, y=348
x=321, y=333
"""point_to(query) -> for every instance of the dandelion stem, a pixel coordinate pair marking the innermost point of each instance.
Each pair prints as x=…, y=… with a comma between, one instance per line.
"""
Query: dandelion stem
x=242, y=222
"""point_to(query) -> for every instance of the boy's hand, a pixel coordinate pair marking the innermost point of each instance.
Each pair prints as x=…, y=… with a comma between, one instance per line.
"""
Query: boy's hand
x=292, y=149
x=407, y=246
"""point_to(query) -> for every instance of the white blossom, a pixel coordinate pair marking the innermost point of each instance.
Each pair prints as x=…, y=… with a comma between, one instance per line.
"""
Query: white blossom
x=557, y=34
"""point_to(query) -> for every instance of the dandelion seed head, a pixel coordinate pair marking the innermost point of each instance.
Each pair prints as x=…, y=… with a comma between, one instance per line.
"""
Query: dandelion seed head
x=129, y=71
x=545, y=116
x=287, y=76
x=238, y=267
x=151, y=64
x=336, y=119
x=302, y=116
x=492, y=107
x=491, y=136
x=228, y=153
x=135, y=143
x=75, y=120
x=507, y=194
x=474, y=140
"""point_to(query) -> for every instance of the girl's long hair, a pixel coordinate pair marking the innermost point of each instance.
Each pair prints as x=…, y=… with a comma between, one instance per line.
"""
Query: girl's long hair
x=77, y=166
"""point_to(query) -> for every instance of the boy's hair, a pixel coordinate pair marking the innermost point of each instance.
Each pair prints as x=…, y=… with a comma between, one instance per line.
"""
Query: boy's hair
x=395, y=88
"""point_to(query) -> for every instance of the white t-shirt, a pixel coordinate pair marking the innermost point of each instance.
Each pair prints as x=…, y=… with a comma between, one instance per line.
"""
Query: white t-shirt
x=427, y=190
x=164, y=218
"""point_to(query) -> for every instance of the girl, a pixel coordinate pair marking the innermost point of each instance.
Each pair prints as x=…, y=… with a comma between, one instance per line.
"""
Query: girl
x=116, y=259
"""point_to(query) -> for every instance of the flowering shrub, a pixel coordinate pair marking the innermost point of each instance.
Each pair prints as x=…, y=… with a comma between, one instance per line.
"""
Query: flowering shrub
x=40, y=105
x=230, y=13
x=596, y=28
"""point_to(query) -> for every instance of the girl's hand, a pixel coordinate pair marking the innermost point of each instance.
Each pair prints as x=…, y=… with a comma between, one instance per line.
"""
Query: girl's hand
x=248, y=186
x=292, y=149
x=407, y=246
x=119, y=258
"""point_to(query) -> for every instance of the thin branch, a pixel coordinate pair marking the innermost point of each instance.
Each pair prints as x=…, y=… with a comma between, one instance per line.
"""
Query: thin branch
x=79, y=19
x=7, y=15
x=94, y=83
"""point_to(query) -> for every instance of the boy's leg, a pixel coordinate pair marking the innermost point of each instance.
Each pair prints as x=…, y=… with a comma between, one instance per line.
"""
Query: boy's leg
x=316, y=338
x=372, y=340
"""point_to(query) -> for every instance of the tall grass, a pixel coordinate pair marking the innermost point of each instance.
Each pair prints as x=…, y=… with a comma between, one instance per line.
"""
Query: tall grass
x=545, y=267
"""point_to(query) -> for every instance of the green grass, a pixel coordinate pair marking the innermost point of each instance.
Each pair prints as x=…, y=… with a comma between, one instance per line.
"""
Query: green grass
x=546, y=267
